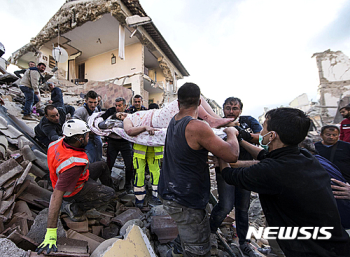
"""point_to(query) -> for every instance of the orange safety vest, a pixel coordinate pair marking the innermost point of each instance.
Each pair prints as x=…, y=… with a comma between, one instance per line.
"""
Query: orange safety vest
x=60, y=158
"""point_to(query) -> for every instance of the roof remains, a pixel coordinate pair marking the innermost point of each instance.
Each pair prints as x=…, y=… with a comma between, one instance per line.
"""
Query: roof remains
x=76, y=13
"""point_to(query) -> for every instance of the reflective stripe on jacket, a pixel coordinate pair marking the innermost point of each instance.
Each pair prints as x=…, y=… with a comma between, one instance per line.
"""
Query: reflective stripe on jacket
x=141, y=150
x=60, y=158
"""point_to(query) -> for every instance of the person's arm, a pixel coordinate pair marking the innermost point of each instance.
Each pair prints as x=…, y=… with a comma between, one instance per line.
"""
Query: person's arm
x=256, y=127
x=260, y=178
x=252, y=149
x=50, y=132
x=54, y=208
x=81, y=114
x=19, y=72
x=134, y=131
x=199, y=135
x=109, y=112
x=243, y=164
x=342, y=191
x=56, y=95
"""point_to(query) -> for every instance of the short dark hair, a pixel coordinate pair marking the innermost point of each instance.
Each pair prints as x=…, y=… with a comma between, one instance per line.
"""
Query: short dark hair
x=41, y=63
x=119, y=99
x=153, y=106
x=292, y=125
x=232, y=100
x=330, y=127
x=91, y=94
x=138, y=96
x=189, y=95
x=309, y=145
x=49, y=107
x=31, y=62
x=347, y=107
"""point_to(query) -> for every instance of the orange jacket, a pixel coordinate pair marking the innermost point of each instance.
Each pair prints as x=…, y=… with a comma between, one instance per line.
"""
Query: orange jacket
x=60, y=158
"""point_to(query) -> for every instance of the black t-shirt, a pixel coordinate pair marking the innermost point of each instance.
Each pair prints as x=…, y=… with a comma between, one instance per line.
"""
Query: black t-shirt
x=341, y=156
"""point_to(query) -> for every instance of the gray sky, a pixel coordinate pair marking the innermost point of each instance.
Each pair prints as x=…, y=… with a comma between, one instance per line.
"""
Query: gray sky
x=259, y=51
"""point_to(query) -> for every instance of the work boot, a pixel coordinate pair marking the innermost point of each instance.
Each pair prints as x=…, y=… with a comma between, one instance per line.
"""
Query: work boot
x=247, y=250
x=170, y=253
x=139, y=204
x=129, y=190
x=29, y=117
x=155, y=201
x=67, y=210
x=140, y=193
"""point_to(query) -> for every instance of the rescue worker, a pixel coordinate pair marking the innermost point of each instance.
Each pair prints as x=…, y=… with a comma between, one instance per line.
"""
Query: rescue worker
x=74, y=180
x=142, y=155
x=152, y=156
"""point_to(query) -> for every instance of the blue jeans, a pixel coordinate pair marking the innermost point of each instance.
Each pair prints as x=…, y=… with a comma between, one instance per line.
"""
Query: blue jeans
x=30, y=99
x=94, y=149
x=229, y=197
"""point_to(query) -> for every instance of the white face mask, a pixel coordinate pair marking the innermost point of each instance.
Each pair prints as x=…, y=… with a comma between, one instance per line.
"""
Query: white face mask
x=265, y=147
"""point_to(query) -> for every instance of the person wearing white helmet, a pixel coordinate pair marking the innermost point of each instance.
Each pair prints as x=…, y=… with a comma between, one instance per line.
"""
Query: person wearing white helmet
x=74, y=180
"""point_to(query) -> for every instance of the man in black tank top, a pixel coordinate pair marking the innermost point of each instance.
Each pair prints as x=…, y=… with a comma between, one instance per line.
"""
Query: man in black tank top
x=184, y=183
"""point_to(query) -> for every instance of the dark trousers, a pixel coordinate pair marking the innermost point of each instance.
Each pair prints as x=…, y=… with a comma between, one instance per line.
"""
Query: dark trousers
x=229, y=197
x=30, y=99
x=194, y=229
x=93, y=194
x=114, y=147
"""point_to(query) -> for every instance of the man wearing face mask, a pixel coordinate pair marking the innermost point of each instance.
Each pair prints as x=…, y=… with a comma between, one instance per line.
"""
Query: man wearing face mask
x=229, y=195
x=293, y=187
x=74, y=180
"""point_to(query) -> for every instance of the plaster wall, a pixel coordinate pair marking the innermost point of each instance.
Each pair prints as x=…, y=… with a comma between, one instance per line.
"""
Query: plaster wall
x=336, y=67
x=301, y=102
x=99, y=68
x=62, y=67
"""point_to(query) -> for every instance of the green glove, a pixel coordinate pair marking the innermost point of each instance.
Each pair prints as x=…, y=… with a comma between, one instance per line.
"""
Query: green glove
x=49, y=242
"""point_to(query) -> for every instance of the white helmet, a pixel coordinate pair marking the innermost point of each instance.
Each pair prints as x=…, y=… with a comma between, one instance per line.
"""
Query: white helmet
x=74, y=127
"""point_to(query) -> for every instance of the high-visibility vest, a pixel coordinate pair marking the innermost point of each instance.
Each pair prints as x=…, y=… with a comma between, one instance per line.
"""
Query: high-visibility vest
x=140, y=151
x=60, y=158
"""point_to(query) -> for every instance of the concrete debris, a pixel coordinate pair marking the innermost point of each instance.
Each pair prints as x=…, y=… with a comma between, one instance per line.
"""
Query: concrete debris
x=131, y=213
x=165, y=228
x=103, y=247
x=136, y=222
x=8, y=248
x=135, y=244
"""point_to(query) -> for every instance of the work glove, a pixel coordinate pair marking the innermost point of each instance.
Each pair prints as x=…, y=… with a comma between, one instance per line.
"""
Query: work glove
x=243, y=134
x=49, y=242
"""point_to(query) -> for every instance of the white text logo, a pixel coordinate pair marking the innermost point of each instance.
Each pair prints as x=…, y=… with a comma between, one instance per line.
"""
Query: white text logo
x=284, y=233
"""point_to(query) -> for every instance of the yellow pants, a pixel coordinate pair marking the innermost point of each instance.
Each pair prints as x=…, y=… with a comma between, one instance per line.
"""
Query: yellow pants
x=140, y=165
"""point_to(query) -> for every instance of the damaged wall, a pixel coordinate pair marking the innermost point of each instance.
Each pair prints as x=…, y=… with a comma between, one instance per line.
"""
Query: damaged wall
x=334, y=74
x=100, y=68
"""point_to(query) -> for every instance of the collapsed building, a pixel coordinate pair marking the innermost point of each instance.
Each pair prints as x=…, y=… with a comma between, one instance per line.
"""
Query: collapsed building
x=333, y=90
x=109, y=44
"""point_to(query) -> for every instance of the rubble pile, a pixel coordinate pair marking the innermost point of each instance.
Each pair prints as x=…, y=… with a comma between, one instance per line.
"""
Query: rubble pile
x=25, y=192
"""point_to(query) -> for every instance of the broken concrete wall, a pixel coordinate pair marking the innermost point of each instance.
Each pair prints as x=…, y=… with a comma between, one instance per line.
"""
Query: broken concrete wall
x=334, y=74
x=109, y=91
x=301, y=102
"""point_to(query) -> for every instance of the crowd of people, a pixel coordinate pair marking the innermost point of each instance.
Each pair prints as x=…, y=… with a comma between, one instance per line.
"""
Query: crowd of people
x=300, y=184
